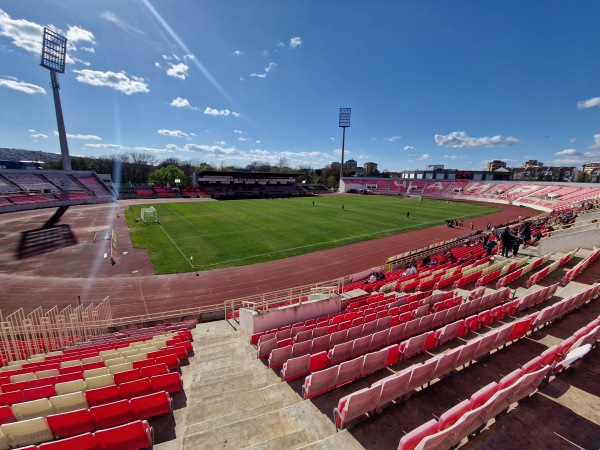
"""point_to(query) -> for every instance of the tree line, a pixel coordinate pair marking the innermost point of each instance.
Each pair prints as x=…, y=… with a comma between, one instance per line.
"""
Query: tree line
x=143, y=169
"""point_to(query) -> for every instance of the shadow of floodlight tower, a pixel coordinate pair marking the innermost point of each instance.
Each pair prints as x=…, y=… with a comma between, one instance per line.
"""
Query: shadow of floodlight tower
x=54, y=52
x=344, y=123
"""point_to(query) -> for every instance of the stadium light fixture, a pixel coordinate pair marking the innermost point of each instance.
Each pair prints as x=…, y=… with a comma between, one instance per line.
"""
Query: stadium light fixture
x=54, y=53
x=344, y=123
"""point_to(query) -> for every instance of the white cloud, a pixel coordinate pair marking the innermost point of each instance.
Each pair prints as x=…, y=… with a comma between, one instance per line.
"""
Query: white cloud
x=220, y=112
x=182, y=103
x=88, y=49
x=114, y=19
x=173, y=133
x=117, y=81
x=23, y=33
x=77, y=34
x=572, y=141
x=178, y=70
x=269, y=68
x=280, y=45
x=296, y=42
x=239, y=132
x=39, y=136
x=410, y=148
x=220, y=142
x=424, y=157
x=21, y=86
x=392, y=138
x=31, y=130
x=169, y=149
x=589, y=103
x=460, y=139
x=596, y=141
x=113, y=146
x=454, y=157
x=85, y=137
x=242, y=139
x=567, y=151
x=331, y=138
x=236, y=53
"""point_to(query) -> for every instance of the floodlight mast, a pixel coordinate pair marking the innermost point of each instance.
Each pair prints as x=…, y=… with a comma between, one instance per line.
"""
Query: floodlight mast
x=54, y=52
x=344, y=123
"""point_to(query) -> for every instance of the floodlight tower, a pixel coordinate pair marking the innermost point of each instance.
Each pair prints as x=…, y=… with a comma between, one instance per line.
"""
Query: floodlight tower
x=344, y=123
x=54, y=52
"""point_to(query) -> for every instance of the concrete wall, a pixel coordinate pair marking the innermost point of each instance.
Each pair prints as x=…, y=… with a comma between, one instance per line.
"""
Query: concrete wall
x=566, y=242
x=254, y=322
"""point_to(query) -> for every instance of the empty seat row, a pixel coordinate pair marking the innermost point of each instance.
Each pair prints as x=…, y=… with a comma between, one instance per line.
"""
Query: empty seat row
x=359, y=340
x=470, y=416
x=131, y=436
x=42, y=407
x=399, y=385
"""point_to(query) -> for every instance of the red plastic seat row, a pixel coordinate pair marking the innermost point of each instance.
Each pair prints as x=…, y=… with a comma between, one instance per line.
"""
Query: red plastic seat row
x=131, y=436
x=169, y=382
x=112, y=414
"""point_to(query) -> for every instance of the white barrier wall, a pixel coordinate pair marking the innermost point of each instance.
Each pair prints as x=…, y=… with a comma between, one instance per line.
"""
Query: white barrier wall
x=252, y=321
x=568, y=241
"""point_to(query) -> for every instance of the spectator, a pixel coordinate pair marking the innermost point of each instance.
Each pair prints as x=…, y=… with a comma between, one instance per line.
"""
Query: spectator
x=515, y=248
x=489, y=246
x=507, y=241
x=526, y=234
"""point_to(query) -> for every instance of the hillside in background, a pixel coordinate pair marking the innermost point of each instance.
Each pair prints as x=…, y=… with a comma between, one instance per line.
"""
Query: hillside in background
x=18, y=154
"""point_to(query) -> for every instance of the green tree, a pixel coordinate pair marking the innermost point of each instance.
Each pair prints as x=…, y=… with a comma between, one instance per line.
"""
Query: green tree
x=166, y=176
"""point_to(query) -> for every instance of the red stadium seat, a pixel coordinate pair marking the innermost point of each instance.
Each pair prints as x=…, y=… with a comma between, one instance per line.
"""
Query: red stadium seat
x=103, y=395
x=37, y=393
x=156, y=369
x=6, y=415
x=169, y=382
x=71, y=423
x=131, y=436
x=86, y=441
x=128, y=375
x=112, y=414
x=136, y=388
x=151, y=405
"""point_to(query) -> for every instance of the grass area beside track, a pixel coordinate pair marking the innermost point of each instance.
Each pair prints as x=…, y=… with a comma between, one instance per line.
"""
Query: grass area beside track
x=210, y=235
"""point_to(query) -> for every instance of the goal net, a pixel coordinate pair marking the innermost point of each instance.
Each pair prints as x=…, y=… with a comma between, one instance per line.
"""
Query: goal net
x=149, y=214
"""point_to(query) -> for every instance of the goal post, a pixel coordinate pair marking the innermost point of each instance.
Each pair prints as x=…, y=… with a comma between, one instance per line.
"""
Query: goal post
x=149, y=214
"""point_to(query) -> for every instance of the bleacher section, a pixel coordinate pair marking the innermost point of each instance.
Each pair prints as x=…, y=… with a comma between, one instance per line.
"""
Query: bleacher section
x=98, y=394
x=544, y=196
x=22, y=190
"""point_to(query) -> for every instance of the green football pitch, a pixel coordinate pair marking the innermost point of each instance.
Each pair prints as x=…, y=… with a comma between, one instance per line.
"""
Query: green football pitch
x=192, y=236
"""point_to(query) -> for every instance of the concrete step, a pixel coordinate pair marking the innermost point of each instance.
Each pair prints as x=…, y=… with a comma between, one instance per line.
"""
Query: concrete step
x=205, y=372
x=342, y=439
x=229, y=385
x=301, y=416
x=290, y=441
x=217, y=412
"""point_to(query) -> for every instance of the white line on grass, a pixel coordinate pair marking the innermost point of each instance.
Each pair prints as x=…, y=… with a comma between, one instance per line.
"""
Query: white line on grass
x=177, y=247
x=175, y=212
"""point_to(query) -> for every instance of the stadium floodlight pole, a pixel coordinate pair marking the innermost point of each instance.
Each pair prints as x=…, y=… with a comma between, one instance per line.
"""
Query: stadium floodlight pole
x=344, y=123
x=54, y=52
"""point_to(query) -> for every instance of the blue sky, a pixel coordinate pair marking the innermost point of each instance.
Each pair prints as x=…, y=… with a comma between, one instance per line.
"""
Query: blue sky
x=231, y=82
